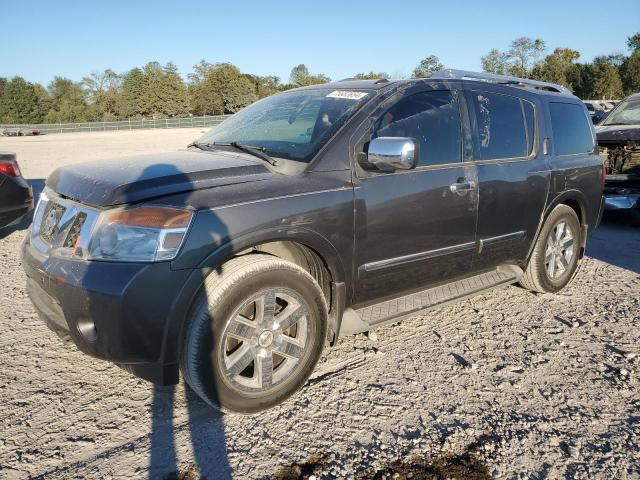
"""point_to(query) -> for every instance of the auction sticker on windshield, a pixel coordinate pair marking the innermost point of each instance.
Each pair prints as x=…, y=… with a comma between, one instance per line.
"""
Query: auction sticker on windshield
x=347, y=94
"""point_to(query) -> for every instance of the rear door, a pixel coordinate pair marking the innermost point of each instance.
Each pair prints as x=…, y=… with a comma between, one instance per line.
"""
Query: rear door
x=411, y=229
x=513, y=175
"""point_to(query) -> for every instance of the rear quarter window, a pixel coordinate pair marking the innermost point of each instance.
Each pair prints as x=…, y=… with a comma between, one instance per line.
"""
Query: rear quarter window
x=571, y=129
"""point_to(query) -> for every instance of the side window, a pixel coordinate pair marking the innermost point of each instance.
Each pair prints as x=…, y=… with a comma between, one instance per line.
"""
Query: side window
x=571, y=129
x=506, y=125
x=433, y=119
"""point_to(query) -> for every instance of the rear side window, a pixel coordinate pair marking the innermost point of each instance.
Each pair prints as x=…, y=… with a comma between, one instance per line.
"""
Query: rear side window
x=571, y=129
x=433, y=119
x=505, y=125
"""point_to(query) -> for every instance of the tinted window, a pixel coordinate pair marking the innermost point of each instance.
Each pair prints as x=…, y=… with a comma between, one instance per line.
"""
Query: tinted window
x=501, y=126
x=571, y=129
x=293, y=125
x=432, y=118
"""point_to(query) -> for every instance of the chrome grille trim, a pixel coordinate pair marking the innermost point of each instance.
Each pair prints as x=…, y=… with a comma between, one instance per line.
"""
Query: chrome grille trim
x=76, y=221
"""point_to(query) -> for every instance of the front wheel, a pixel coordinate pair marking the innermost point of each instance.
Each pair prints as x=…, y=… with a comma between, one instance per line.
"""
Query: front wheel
x=555, y=254
x=255, y=333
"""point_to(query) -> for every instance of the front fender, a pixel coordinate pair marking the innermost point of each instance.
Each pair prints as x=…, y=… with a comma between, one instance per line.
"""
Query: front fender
x=302, y=235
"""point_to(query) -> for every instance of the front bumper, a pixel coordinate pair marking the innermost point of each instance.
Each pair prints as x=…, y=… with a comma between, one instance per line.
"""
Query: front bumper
x=118, y=312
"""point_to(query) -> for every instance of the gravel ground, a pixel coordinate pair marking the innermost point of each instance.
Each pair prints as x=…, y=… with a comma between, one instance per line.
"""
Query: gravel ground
x=506, y=385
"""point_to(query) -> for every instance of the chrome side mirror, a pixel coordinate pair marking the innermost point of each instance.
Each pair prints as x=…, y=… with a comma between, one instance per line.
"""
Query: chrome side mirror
x=393, y=153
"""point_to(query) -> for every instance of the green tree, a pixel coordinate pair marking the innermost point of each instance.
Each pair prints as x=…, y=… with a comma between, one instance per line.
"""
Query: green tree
x=19, y=102
x=104, y=92
x=3, y=82
x=495, y=62
x=371, y=75
x=175, y=95
x=219, y=88
x=607, y=83
x=264, y=86
x=630, y=72
x=44, y=100
x=583, y=81
x=633, y=42
x=524, y=53
x=558, y=67
x=300, y=77
x=164, y=93
x=67, y=102
x=133, y=93
x=299, y=74
x=427, y=67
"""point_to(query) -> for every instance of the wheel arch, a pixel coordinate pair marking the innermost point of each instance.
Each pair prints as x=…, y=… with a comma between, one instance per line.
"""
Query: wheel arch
x=577, y=202
x=307, y=249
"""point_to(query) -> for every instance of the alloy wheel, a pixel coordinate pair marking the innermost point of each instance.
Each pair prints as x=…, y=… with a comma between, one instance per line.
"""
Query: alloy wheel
x=560, y=250
x=264, y=340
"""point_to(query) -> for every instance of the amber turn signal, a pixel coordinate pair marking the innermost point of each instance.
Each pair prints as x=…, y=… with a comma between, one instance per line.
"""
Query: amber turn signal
x=151, y=217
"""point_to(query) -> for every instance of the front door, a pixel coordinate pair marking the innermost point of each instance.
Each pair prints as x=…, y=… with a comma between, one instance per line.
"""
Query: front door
x=413, y=229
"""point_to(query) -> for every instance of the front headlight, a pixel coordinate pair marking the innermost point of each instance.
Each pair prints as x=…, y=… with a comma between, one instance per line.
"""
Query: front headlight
x=139, y=234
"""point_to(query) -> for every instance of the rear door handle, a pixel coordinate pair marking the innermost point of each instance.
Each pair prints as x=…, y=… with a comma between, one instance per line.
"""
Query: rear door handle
x=462, y=187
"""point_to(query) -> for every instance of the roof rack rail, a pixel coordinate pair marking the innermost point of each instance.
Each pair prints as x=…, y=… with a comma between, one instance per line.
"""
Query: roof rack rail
x=500, y=79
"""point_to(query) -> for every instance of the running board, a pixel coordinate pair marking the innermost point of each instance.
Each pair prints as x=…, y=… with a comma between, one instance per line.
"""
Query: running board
x=363, y=319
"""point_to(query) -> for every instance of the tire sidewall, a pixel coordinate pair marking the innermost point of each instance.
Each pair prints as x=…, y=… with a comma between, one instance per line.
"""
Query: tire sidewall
x=210, y=319
x=567, y=214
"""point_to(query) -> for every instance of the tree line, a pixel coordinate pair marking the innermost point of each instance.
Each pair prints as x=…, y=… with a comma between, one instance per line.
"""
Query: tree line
x=159, y=91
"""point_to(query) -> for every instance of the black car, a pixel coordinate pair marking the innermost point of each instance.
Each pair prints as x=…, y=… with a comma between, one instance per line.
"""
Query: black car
x=16, y=196
x=619, y=143
x=313, y=214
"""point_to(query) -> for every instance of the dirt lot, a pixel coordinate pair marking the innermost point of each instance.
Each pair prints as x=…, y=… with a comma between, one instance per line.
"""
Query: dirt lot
x=506, y=385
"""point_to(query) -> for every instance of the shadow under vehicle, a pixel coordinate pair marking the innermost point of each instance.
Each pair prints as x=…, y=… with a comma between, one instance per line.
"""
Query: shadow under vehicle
x=313, y=214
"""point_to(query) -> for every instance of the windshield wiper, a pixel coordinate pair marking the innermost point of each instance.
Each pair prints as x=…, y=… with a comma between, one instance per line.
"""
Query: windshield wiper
x=201, y=146
x=250, y=149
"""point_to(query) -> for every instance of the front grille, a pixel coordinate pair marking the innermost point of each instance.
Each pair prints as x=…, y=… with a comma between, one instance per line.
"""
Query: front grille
x=62, y=226
x=51, y=222
x=72, y=239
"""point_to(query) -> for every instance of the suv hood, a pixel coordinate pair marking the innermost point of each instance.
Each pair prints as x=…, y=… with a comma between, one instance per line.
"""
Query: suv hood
x=618, y=133
x=132, y=179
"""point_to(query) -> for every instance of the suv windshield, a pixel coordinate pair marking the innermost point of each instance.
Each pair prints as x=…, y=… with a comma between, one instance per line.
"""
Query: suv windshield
x=627, y=113
x=291, y=125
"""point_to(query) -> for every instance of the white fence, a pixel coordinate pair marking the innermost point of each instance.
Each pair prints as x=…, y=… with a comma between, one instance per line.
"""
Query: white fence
x=177, y=122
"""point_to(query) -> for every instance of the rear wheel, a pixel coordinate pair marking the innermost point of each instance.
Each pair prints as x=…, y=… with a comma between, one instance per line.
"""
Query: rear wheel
x=555, y=254
x=255, y=333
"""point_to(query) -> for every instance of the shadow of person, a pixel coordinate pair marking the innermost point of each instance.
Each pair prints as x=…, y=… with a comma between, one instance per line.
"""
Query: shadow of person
x=169, y=435
x=206, y=436
x=37, y=185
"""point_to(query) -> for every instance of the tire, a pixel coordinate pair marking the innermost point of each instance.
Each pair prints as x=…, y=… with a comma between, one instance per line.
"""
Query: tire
x=538, y=275
x=229, y=325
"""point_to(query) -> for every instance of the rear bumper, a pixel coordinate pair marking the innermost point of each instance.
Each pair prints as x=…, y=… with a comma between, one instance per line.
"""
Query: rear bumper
x=113, y=311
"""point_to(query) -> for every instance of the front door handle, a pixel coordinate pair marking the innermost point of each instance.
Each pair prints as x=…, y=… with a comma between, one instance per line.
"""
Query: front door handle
x=462, y=188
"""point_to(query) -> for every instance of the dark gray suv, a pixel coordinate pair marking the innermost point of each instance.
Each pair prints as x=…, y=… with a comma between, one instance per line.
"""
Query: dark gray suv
x=309, y=215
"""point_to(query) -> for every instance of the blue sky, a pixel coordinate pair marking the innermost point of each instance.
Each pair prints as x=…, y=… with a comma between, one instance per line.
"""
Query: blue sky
x=338, y=38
